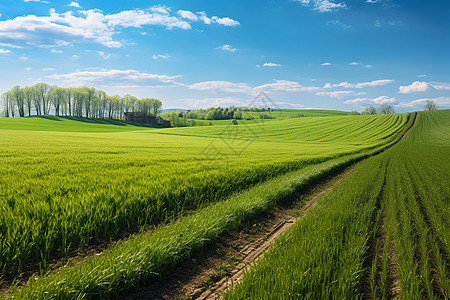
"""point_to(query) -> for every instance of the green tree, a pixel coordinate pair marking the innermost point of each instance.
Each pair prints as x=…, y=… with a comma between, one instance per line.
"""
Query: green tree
x=371, y=110
x=386, y=109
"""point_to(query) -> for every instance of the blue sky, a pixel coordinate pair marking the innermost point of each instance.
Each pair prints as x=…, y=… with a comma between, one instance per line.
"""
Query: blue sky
x=329, y=54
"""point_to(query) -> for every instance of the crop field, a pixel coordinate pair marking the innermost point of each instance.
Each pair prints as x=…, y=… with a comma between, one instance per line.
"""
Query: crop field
x=65, y=182
x=382, y=233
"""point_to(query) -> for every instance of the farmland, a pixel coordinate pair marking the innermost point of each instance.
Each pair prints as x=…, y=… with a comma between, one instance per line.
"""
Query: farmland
x=355, y=226
x=382, y=233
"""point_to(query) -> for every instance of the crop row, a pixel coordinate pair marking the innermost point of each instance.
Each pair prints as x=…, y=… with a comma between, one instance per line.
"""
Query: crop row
x=145, y=257
x=383, y=232
x=59, y=190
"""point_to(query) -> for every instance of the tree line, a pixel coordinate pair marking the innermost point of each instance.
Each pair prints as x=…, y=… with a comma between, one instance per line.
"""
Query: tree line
x=45, y=99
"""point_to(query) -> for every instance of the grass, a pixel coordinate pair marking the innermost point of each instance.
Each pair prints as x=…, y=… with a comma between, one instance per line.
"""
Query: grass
x=132, y=263
x=406, y=189
x=60, y=189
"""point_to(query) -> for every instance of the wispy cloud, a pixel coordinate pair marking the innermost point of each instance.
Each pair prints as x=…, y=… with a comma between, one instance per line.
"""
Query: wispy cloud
x=161, y=56
x=99, y=77
x=103, y=54
x=422, y=75
x=442, y=101
x=208, y=102
x=338, y=23
x=326, y=64
x=323, y=5
x=354, y=63
x=278, y=86
x=223, y=86
x=23, y=57
x=285, y=86
x=340, y=94
x=42, y=1
x=228, y=48
x=48, y=69
x=367, y=66
x=3, y=51
x=270, y=64
x=377, y=100
x=359, y=85
x=55, y=51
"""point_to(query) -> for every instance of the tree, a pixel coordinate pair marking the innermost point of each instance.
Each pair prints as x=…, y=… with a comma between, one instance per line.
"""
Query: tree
x=57, y=98
x=234, y=122
x=371, y=110
x=386, y=109
x=8, y=105
x=42, y=90
x=431, y=105
x=17, y=95
x=156, y=106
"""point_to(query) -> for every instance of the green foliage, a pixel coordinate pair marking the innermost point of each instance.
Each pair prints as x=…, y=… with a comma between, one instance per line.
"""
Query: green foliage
x=61, y=189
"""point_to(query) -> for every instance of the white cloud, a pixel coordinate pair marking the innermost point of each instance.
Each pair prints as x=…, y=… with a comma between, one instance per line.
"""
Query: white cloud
x=91, y=26
x=421, y=86
x=372, y=1
x=288, y=104
x=374, y=83
x=186, y=14
x=367, y=66
x=224, y=86
x=225, y=21
x=28, y=68
x=442, y=101
x=230, y=87
x=339, y=94
x=227, y=48
x=42, y=1
x=48, y=69
x=98, y=77
x=359, y=85
x=354, y=63
x=161, y=56
x=377, y=23
x=421, y=75
x=74, y=4
x=23, y=57
x=326, y=64
x=208, y=102
x=75, y=57
x=323, y=5
x=416, y=86
x=55, y=51
x=285, y=86
x=338, y=23
x=103, y=54
x=377, y=100
x=271, y=65
x=3, y=51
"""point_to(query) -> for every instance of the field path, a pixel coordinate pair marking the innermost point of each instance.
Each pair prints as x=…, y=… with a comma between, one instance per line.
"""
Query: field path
x=252, y=254
x=224, y=263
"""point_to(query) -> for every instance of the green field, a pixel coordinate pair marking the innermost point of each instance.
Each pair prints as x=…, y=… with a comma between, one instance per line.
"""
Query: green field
x=60, y=188
x=382, y=233
x=64, y=186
